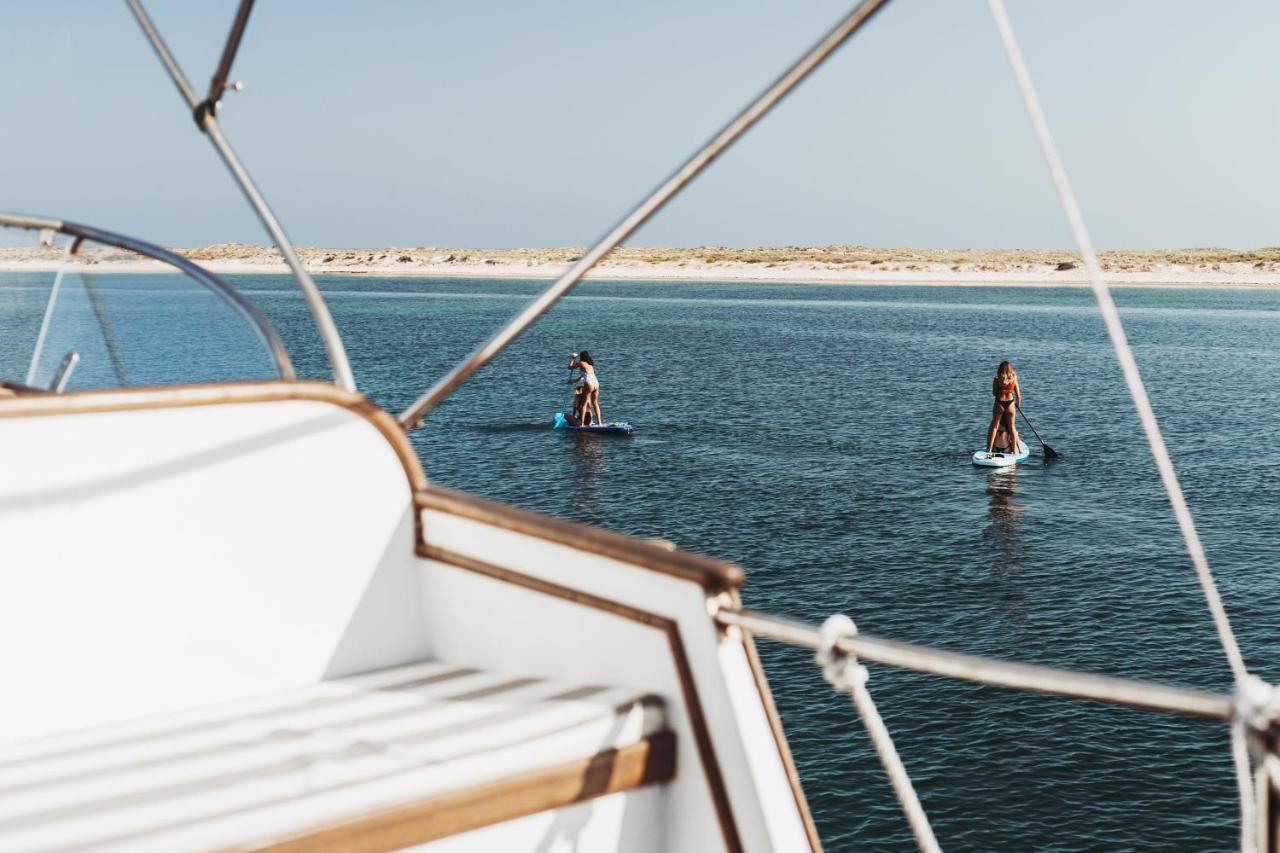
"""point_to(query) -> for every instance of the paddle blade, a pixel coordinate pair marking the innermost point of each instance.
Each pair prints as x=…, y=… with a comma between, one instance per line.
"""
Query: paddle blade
x=1049, y=452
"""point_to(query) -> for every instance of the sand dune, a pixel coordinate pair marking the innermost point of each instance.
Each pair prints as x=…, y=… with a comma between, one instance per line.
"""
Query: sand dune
x=792, y=263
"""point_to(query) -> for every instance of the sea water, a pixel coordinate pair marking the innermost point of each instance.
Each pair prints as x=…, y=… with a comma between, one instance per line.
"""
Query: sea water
x=820, y=436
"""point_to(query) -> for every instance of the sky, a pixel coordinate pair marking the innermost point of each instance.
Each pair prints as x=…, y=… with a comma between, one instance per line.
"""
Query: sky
x=495, y=124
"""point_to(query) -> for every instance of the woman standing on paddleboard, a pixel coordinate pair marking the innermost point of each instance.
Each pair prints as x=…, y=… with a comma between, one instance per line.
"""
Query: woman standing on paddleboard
x=589, y=384
x=1004, y=387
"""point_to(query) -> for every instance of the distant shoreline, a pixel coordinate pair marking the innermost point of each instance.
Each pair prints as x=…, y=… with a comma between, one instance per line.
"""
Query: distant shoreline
x=789, y=265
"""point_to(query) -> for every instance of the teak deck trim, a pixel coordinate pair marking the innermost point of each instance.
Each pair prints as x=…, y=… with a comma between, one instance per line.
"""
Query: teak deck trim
x=712, y=575
x=780, y=740
x=684, y=673
x=647, y=762
x=216, y=394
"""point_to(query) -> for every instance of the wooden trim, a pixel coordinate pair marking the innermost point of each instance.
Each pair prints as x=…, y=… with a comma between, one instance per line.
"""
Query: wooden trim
x=780, y=738
x=712, y=575
x=181, y=396
x=697, y=720
x=19, y=388
x=648, y=762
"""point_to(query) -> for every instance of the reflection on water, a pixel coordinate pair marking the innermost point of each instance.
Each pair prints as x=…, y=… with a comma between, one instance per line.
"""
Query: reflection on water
x=1005, y=529
x=588, y=470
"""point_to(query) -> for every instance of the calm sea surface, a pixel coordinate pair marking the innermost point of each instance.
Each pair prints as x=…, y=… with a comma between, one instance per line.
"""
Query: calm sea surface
x=820, y=437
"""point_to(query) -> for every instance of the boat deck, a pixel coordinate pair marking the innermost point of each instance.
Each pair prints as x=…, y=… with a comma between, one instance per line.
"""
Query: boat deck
x=404, y=755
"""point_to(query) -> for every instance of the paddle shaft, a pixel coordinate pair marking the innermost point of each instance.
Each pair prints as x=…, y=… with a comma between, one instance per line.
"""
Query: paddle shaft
x=1049, y=452
x=567, y=405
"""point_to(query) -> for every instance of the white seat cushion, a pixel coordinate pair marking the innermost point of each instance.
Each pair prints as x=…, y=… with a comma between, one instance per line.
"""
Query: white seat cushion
x=280, y=765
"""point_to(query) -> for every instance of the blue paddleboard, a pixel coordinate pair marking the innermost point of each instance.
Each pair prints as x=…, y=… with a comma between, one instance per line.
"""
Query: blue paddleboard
x=617, y=428
x=1001, y=460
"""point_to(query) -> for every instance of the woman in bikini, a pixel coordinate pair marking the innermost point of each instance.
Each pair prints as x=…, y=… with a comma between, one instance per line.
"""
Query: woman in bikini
x=1004, y=387
x=588, y=386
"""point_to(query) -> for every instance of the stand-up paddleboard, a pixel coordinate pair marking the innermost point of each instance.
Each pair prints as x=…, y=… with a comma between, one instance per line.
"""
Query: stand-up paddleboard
x=616, y=428
x=1002, y=460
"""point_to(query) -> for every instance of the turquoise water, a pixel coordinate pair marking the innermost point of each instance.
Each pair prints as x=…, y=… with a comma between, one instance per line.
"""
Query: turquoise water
x=820, y=437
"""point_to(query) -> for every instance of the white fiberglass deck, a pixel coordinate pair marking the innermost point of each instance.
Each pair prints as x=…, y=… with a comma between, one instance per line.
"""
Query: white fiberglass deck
x=253, y=772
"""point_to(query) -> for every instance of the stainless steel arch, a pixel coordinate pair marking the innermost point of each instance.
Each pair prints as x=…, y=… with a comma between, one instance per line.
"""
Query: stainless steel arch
x=261, y=326
x=700, y=160
x=205, y=115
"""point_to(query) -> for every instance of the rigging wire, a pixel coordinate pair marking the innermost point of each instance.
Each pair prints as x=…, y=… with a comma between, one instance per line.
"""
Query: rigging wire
x=843, y=672
x=1150, y=426
x=1119, y=341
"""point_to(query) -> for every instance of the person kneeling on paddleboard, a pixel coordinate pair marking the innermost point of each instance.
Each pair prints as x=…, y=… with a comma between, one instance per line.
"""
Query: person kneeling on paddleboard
x=588, y=389
x=1004, y=387
x=578, y=407
x=1003, y=443
x=576, y=410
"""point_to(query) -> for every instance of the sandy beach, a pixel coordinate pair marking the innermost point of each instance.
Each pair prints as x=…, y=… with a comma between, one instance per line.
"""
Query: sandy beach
x=828, y=264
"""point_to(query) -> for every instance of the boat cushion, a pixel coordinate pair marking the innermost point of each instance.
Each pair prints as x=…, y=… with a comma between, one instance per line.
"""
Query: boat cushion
x=279, y=766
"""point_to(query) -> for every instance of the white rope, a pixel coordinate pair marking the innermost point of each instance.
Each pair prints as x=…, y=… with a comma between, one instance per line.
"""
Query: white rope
x=1244, y=784
x=48, y=316
x=844, y=673
x=1255, y=709
x=1111, y=317
x=1133, y=379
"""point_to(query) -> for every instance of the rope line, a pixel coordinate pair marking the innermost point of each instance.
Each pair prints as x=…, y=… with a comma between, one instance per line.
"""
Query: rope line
x=1111, y=317
x=1254, y=711
x=843, y=672
x=1244, y=783
x=1150, y=426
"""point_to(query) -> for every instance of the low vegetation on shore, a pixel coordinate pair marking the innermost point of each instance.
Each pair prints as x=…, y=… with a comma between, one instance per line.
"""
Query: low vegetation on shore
x=822, y=263
x=856, y=257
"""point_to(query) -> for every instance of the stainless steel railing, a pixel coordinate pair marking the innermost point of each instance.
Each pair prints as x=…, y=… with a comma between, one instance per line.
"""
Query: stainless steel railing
x=262, y=328
x=205, y=114
x=997, y=673
x=1252, y=712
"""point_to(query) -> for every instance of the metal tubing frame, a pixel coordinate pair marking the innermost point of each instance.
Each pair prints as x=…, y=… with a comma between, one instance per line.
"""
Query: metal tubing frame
x=208, y=123
x=62, y=375
x=219, y=83
x=262, y=327
x=37, y=351
x=996, y=673
x=718, y=144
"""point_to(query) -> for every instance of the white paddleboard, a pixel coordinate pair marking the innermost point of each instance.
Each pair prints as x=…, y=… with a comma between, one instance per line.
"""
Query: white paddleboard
x=1002, y=460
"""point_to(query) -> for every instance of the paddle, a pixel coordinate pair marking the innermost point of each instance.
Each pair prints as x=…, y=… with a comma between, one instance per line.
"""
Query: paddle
x=567, y=405
x=1049, y=452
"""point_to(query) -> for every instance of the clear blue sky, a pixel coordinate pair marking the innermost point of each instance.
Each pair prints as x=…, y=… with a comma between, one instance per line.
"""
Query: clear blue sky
x=482, y=123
